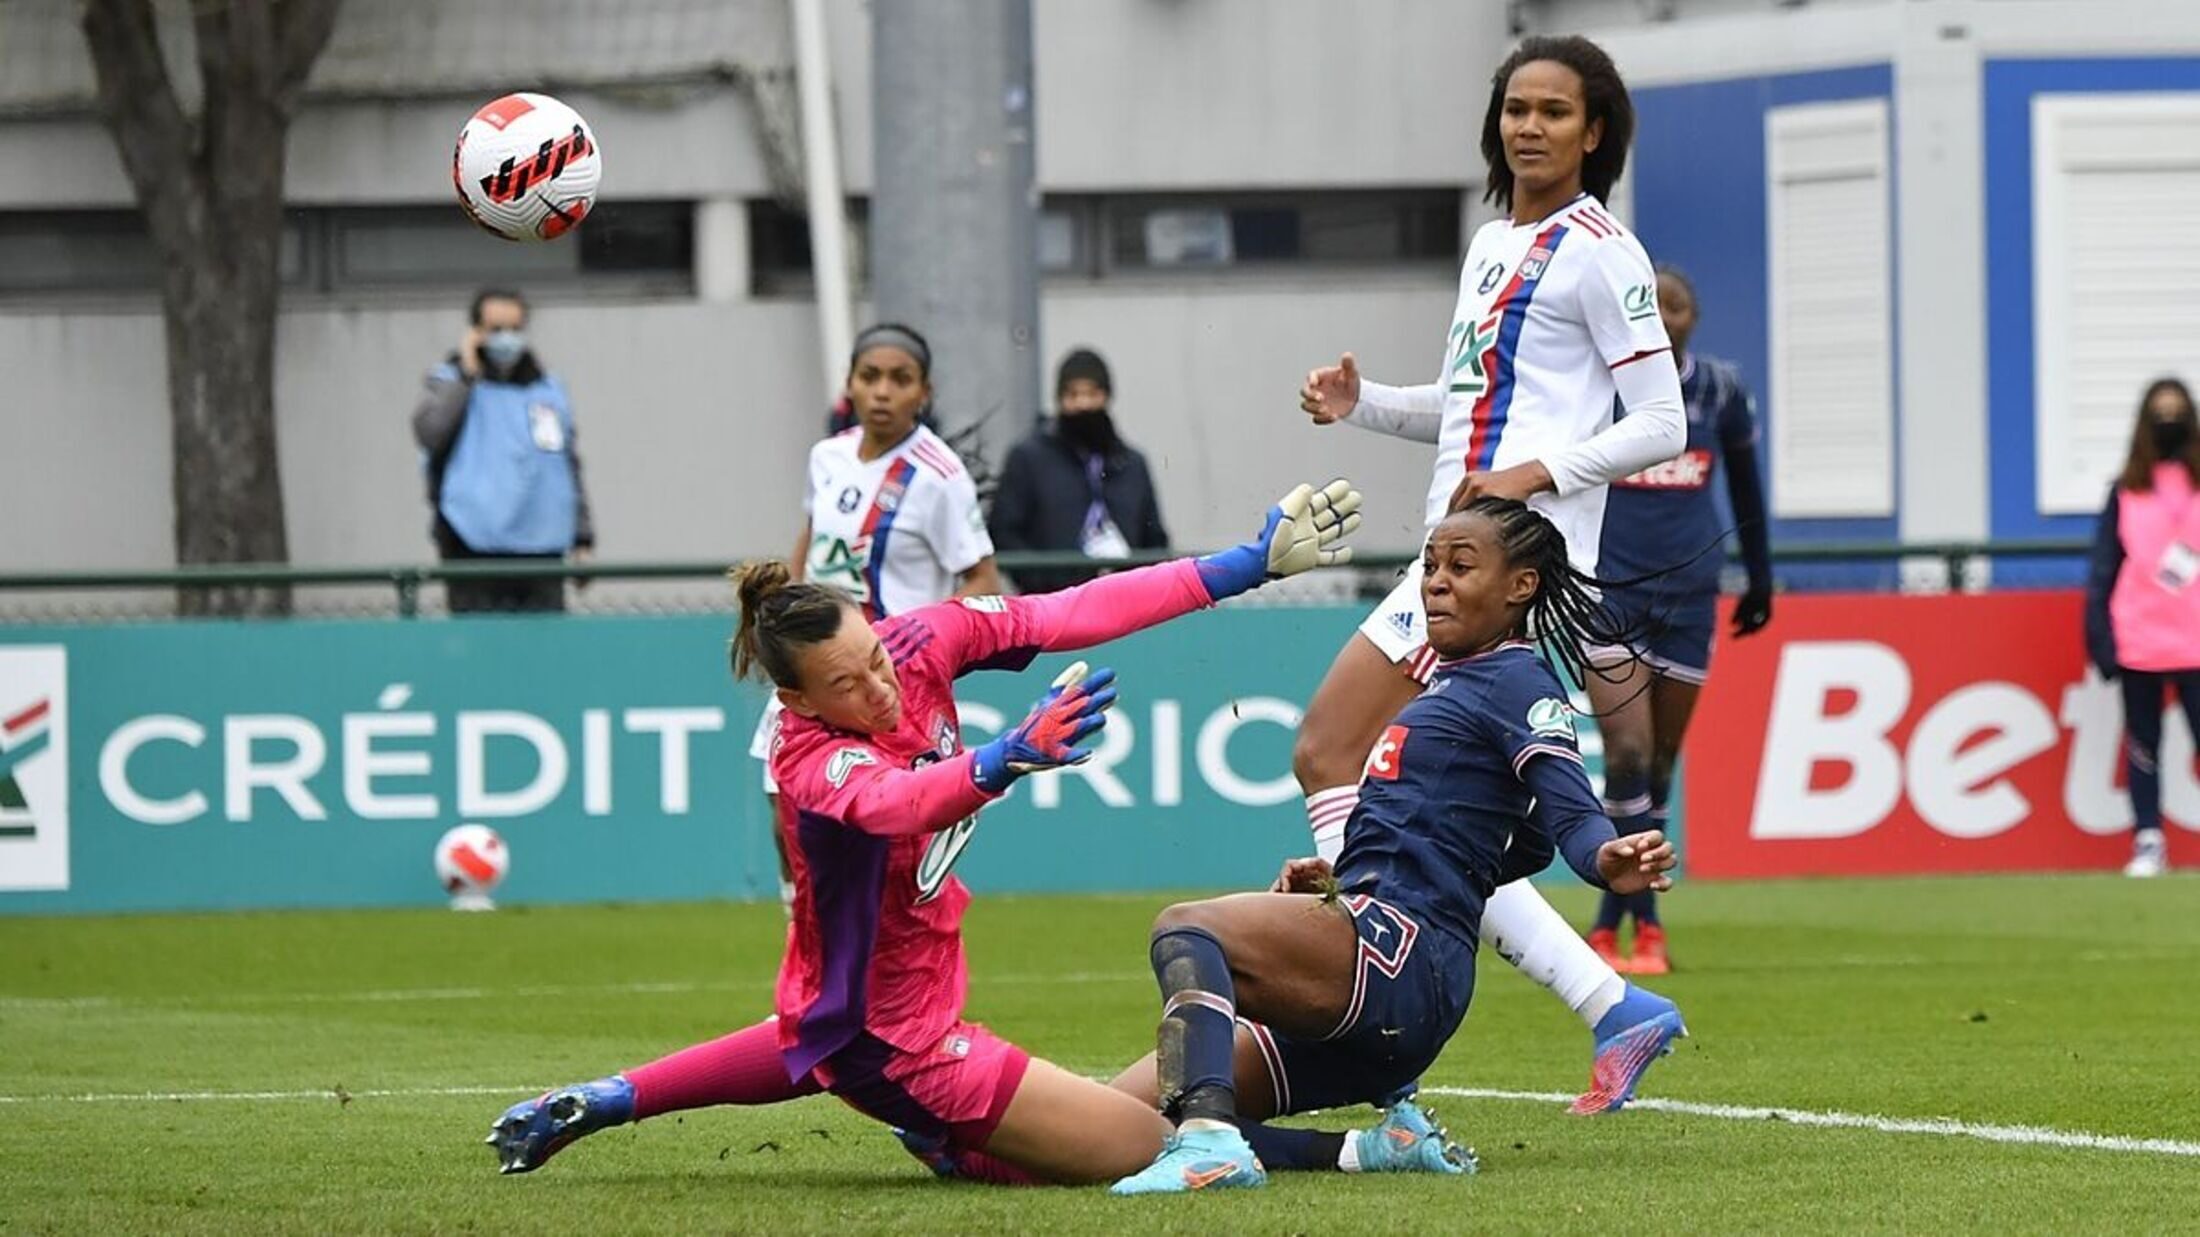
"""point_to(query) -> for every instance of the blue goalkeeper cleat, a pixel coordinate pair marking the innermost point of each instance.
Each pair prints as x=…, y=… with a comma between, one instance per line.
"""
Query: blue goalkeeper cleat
x=1202, y=1159
x=532, y=1131
x=1408, y=1140
x=1639, y=1030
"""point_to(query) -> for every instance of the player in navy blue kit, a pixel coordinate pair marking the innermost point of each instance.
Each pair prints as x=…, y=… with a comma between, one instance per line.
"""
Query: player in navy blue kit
x=1660, y=520
x=1340, y=987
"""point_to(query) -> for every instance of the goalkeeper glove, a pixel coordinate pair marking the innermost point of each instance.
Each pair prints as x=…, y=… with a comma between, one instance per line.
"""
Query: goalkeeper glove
x=1073, y=710
x=1302, y=532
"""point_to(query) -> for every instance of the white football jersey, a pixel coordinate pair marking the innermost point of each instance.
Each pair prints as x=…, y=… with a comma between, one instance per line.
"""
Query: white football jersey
x=1546, y=312
x=897, y=532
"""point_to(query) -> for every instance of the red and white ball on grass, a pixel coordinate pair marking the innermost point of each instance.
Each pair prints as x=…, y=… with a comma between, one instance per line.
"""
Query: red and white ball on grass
x=471, y=861
x=527, y=168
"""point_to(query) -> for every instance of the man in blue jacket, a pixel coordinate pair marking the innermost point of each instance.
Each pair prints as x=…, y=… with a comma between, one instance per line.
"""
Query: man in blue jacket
x=504, y=474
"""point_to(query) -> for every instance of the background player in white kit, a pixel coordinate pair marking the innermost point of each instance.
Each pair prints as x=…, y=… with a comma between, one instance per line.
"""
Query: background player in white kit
x=1557, y=313
x=890, y=516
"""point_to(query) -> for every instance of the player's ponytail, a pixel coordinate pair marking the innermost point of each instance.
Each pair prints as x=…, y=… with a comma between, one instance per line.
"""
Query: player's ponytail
x=779, y=617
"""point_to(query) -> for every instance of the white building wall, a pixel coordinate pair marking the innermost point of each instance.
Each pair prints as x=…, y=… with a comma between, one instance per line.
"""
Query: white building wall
x=693, y=421
x=1244, y=93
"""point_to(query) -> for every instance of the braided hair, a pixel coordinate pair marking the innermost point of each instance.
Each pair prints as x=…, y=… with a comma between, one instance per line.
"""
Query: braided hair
x=1567, y=612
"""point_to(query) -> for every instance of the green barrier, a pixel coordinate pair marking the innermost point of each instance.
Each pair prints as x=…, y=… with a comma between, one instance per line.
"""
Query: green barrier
x=231, y=765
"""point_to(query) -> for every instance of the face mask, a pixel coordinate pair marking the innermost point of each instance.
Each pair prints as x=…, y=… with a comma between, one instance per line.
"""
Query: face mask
x=1092, y=431
x=2170, y=438
x=503, y=349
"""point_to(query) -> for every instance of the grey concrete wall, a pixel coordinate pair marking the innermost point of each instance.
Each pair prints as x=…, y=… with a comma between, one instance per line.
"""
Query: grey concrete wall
x=1132, y=94
x=694, y=418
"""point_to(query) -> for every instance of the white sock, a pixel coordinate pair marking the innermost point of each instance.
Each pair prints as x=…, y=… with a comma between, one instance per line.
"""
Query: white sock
x=1326, y=814
x=786, y=897
x=1348, y=1157
x=1526, y=931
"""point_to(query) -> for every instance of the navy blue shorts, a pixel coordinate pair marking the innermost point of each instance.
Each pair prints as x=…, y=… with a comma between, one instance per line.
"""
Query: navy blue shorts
x=1409, y=992
x=1676, y=632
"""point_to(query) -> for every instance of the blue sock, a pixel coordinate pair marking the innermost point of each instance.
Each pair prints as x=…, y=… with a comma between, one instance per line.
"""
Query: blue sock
x=1644, y=906
x=1198, y=1026
x=1627, y=802
x=1610, y=909
x=1288, y=1150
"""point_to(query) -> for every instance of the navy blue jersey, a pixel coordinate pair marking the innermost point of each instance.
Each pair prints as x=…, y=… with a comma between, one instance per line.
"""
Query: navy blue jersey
x=1664, y=515
x=1485, y=758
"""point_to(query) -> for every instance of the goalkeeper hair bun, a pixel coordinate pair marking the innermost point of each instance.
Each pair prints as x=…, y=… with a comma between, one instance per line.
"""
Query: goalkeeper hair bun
x=779, y=617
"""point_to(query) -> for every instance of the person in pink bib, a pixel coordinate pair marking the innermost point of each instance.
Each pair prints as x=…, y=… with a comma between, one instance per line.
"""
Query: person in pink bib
x=2142, y=614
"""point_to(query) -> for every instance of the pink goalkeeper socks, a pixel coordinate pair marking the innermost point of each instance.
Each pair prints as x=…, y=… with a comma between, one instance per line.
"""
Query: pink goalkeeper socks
x=742, y=1068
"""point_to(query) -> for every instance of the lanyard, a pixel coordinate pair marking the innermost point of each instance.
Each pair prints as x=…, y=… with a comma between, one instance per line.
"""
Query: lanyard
x=1096, y=512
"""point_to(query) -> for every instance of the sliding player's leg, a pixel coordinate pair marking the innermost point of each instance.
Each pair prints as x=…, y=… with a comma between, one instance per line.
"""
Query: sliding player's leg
x=1064, y=1128
x=742, y=1068
x=1393, y=1144
x=1293, y=964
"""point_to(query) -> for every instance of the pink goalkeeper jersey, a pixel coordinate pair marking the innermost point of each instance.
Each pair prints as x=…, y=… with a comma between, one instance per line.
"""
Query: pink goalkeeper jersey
x=874, y=823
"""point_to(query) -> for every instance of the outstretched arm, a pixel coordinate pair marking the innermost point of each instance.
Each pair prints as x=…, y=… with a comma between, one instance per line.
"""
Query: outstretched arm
x=866, y=793
x=891, y=802
x=1303, y=531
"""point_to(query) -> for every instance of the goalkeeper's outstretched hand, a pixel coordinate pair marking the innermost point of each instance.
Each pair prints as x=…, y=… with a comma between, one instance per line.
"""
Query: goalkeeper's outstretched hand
x=1073, y=710
x=1305, y=530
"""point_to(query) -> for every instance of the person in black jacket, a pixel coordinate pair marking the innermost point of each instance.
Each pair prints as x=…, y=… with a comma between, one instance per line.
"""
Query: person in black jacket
x=1073, y=483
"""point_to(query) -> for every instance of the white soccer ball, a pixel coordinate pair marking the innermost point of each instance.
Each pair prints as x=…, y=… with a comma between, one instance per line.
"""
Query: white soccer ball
x=527, y=167
x=471, y=860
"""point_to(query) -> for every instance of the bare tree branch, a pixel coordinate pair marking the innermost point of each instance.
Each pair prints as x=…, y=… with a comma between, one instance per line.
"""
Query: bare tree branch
x=212, y=194
x=301, y=33
x=155, y=140
x=236, y=45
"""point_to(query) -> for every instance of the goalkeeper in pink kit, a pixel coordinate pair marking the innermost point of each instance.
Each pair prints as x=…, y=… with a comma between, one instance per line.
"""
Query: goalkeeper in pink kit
x=880, y=798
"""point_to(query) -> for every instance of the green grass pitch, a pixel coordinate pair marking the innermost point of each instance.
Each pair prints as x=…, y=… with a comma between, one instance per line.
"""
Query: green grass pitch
x=335, y=1072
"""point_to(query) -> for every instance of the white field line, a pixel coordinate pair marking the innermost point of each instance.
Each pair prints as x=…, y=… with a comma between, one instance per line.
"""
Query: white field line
x=2021, y=1135
x=323, y=1093
x=371, y=996
x=1945, y=1127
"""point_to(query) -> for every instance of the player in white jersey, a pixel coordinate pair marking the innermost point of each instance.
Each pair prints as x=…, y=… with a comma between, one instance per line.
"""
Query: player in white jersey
x=1557, y=313
x=890, y=515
